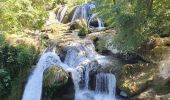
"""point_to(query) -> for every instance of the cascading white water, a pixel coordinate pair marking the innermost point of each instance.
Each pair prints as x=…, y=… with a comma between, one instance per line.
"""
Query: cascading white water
x=61, y=13
x=100, y=25
x=91, y=18
x=83, y=12
x=99, y=21
x=105, y=89
x=79, y=60
x=106, y=84
x=33, y=88
x=81, y=56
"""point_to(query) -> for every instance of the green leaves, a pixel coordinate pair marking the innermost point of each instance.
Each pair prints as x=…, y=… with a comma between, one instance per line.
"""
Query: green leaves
x=17, y=15
x=128, y=18
x=13, y=60
x=4, y=83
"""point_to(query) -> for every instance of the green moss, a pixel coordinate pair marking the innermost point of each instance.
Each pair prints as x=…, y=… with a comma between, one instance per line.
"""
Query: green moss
x=2, y=38
x=100, y=45
x=54, y=80
x=83, y=32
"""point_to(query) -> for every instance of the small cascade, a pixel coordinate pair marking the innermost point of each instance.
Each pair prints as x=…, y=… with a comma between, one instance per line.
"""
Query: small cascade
x=99, y=21
x=61, y=13
x=100, y=25
x=105, y=89
x=80, y=60
x=83, y=12
x=81, y=56
x=33, y=88
x=91, y=18
x=106, y=84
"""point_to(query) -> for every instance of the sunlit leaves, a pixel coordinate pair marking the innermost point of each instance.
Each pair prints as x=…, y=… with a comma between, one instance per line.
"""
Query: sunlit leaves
x=19, y=14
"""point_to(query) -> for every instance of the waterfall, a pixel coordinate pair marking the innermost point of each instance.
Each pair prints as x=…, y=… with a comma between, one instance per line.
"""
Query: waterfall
x=61, y=13
x=33, y=88
x=99, y=21
x=106, y=83
x=100, y=25
x=83, y=11
x=91, y=18
x=81, y=56
x=80, y=59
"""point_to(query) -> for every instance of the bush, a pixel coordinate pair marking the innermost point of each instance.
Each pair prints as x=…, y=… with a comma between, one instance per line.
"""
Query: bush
x=13, y=60
x=4, y=83
x=135, y=20
x=83, y=32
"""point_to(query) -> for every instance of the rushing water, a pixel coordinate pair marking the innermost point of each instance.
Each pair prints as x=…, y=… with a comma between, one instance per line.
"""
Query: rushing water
x=33, y=88
x=61, y=13
x=104, y=90
x=80, y=60
x=83, y=11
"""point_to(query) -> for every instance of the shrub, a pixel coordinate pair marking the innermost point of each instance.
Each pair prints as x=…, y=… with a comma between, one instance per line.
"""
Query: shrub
x=83, y=32
x=13, y=60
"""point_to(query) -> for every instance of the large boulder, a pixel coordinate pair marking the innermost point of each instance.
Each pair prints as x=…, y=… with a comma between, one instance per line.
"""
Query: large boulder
x=56, y=84
x=135, y=78
x=148, y=80
x=158, y=54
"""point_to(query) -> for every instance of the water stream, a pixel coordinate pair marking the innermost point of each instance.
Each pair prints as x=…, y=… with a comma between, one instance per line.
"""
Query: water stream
x=61, y=13
x=80, y=60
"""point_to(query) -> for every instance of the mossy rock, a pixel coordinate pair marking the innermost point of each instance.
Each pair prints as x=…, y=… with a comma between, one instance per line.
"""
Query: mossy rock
x=135, y=78
x=55, y=76
x=55, y=83
x=155, y=49
x=155, y=55
x=83, y=32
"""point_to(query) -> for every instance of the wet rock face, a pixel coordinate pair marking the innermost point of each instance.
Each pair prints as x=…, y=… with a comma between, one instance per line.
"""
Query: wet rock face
x=57, y=84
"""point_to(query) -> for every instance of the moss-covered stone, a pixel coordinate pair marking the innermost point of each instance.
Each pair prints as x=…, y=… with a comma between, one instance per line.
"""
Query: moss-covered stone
x=55, y=83
x=83, y=32
x=55, y=76
x=135, y=78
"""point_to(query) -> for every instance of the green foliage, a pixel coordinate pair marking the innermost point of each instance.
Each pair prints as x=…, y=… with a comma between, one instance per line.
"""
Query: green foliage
x=83, y=32
x=100, y=45
x=2, y=38
x=4, y=82
x=135, y=20
x=160, y=21
x=17, y=15
x=13, y=60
